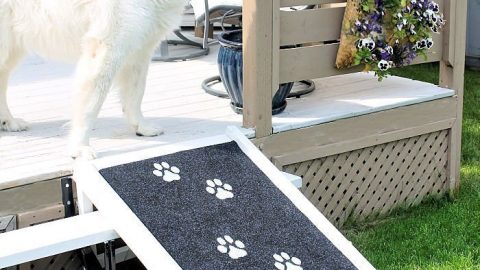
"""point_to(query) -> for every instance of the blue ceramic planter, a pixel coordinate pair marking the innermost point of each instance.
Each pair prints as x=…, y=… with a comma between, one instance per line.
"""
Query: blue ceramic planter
x=230, y=65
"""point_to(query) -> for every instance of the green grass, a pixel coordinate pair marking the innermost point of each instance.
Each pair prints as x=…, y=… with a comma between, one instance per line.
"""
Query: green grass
x=439, y=234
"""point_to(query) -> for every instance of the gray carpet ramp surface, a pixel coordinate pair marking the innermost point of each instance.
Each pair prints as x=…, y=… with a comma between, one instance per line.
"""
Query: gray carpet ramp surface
x=213, y=208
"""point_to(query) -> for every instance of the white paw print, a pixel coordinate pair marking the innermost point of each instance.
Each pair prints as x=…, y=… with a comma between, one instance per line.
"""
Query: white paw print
x=167, y=172
x=218, y=188
x=285, y=262
x=235, y=249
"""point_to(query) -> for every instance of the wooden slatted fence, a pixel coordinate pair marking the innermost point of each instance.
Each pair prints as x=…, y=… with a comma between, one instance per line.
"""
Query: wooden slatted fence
x=316, y=35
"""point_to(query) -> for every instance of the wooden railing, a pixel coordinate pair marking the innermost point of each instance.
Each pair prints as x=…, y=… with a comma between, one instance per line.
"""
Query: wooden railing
x=313, y=38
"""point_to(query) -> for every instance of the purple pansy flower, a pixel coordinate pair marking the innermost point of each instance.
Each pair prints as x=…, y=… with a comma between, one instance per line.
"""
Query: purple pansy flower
x=411, y=25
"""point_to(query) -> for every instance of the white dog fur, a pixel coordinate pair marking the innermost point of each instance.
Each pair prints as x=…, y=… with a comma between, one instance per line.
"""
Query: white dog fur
x=111, y=41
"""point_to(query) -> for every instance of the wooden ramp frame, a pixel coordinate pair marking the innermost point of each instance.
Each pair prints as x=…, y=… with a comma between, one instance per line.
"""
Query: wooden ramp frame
x=94, y=190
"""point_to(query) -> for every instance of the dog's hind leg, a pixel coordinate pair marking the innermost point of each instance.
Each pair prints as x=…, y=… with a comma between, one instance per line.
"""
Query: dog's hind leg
x=7, y=64
x=96, y=70
x=131, y=83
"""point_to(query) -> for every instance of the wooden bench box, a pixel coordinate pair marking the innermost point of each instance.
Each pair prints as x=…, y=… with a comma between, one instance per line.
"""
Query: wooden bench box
x=367, y=164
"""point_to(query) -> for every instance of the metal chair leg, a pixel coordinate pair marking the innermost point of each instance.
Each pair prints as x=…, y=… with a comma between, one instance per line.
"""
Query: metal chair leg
x=206, y=23
x=162, y=53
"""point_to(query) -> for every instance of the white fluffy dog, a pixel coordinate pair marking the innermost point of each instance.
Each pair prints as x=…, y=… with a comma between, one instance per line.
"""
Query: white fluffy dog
x=111, y=41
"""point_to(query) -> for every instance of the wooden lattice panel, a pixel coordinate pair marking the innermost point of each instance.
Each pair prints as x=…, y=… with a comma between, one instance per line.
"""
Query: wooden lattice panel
x=375, y=180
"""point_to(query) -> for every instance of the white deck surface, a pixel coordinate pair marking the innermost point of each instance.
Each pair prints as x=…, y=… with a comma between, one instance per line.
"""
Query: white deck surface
x=40, y=93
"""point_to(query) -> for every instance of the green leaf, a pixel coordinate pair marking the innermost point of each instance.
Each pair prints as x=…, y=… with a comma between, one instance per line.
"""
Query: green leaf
x=357, y=61
x=423, y=54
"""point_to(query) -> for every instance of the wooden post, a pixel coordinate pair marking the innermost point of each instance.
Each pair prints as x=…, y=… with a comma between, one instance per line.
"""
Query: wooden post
x=260, y=63
x=452, y=69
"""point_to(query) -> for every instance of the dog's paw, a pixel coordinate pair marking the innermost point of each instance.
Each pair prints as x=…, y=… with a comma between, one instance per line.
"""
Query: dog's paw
x=82, y=152
x=13, y=125
x=148, y=130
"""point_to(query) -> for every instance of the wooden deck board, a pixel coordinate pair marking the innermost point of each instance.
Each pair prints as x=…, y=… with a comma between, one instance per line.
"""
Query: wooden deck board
x=41, y=93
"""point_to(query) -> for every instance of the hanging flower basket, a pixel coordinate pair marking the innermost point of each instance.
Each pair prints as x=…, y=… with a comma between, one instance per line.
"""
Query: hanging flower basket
x=381, y=34
x=230, y=65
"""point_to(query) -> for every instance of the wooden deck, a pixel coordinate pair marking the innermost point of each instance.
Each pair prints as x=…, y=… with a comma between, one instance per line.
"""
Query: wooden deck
x=40, y=92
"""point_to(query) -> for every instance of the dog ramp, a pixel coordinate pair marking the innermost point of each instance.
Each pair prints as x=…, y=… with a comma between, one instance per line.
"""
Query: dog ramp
x=213, y=204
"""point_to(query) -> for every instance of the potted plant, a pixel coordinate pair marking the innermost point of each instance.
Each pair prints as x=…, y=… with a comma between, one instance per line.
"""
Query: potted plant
x=230, y=65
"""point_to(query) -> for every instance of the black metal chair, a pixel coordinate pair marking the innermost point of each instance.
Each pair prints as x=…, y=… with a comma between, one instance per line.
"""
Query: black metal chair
x=223, y=11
